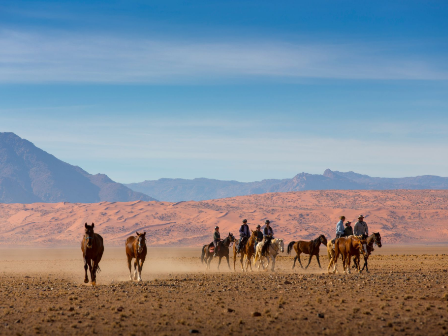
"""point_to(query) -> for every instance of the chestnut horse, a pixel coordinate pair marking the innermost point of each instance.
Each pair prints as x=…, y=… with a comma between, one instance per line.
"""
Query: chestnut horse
x=223, y=251
x=136, y=248
x=347, y=247
x=247, y=251
x=374, y=238
x=307, y=247
x=92, y=248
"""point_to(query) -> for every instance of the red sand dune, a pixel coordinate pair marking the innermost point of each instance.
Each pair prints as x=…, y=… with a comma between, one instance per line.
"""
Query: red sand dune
x=402, y=216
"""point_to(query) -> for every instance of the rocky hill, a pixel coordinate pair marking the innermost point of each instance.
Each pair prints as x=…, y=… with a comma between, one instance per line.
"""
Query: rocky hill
x=29, y=174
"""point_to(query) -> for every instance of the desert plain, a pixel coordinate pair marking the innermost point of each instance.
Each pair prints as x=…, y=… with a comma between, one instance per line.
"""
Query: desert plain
x=405, y=292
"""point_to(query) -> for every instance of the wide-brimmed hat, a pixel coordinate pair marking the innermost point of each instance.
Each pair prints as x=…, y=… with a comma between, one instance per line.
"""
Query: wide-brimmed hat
x=348, y=223
x=244, y=220
x=267, y=221
x=258, y=226
x=360, y=216
x=216, y=227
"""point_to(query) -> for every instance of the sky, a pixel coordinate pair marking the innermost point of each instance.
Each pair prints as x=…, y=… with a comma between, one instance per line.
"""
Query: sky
x=231, y=90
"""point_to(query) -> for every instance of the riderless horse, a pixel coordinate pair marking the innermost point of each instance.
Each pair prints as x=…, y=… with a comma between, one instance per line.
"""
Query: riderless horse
x=274, y=249
x=347, y=247
x=223, y=251
x=136, y=248
x=92, y=248
x=307, y=247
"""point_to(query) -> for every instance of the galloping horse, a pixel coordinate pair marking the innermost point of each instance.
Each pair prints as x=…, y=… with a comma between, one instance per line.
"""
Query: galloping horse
x=307, y=247
x=347, y=247
x=374, y=238
x=92, y=248
x=274, y=249
x=136, y=248
x=247, y=252
x=207, y=254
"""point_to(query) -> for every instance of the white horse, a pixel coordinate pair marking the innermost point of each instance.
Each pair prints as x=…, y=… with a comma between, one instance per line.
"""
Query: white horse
x=274, y=249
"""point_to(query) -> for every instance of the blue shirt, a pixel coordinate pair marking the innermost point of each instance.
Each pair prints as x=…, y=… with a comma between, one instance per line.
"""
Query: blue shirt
x=340, y=227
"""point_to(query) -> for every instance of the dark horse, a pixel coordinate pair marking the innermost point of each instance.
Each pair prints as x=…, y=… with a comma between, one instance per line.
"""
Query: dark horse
x=307, y=247
x=223, y=251
x=136, y=248
x=92, y=250
x=374, y=238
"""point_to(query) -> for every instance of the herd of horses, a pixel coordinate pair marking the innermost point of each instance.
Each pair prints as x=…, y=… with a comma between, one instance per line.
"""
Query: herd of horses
x=346, y=247
x=92, y=247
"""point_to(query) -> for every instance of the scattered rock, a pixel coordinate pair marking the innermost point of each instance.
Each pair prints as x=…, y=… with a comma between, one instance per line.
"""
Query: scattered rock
x=256, y=314
x=193, y=331
x=287, y=282
x=230, y=310
x=320, y=315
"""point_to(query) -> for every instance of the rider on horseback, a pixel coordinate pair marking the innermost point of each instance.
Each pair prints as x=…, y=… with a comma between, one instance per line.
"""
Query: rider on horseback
x=216, y=240
x=348, y=231
x=268, y=234
x=259, y=236
x=244, y=235
x=361, y=228
x=339, y=229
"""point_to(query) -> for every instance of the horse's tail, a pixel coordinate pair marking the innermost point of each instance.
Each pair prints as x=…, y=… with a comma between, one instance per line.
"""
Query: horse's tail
x=290, y=247
x=203, y=254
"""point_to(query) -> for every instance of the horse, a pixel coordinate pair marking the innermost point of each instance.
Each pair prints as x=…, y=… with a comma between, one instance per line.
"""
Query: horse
x=136, y=248
x=347, y=247
x=223, y=251
x=374, y=238
x=247, y=251
x=92, y=248
x=307, y=247
x=274, y=249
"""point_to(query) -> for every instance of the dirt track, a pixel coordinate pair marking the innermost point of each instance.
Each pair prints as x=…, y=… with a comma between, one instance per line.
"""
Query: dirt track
x=405, y=293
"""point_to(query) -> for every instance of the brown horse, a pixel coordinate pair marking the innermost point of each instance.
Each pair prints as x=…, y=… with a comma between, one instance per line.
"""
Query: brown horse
x=247, y=251
x=223, y=251
x=136, y=248
x=307, y=247
x=92, y=248
x=347, y=247
x=374, y=238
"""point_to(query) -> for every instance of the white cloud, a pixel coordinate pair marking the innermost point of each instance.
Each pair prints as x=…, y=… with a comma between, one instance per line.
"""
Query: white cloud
x=61, y=57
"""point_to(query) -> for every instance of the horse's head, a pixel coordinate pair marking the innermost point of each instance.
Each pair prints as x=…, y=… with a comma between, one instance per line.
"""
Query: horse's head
x=377, y=239
x=141, y=241
x=281, y=244
x=89, y=234
x=323, y=240
x=231, y=237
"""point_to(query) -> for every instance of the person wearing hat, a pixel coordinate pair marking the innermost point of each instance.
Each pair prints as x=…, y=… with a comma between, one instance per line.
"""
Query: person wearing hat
x=340, y=227
x=348, y=231
x=216, y=240
x=268, y=234
x=244, y=235
x=259, y=236
x=361, y=228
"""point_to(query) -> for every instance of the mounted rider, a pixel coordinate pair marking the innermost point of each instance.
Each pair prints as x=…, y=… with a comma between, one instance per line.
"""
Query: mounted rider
x=244, y=236
x=259, y=236
x=268, y=234
x=361, y=228
x=340, y=227
x=216, y=240
x=348, y=231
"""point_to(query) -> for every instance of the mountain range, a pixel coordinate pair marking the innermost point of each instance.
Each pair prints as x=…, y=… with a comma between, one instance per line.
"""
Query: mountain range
x=176, y=190
x=29, y=175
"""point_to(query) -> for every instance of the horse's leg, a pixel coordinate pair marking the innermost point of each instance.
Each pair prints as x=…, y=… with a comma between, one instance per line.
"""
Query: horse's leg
x=273, y=263
x=140, y=267
x=242, y=260
x=219, y=263
x=86, y=278
x=349, y=257
x=135, y=268
x=129, y=266
x=300, y=261
x=318, y=261
x=309, y=261
x=89, y=263
x=228, y=263
x=295, y=259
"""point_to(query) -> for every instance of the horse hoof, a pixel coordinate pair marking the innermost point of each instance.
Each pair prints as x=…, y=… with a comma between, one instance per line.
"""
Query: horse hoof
x=86, y=280
x=93, y=283
x=140, y=279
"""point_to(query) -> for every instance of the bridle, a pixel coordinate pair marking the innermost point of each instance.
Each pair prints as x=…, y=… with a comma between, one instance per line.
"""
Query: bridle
x=87, y=237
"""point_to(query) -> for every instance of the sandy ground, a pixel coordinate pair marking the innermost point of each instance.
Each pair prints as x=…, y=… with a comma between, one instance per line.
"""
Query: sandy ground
x=41, y=292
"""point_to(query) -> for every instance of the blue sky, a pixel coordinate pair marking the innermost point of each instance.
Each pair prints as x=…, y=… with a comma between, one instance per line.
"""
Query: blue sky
x=241, y=90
